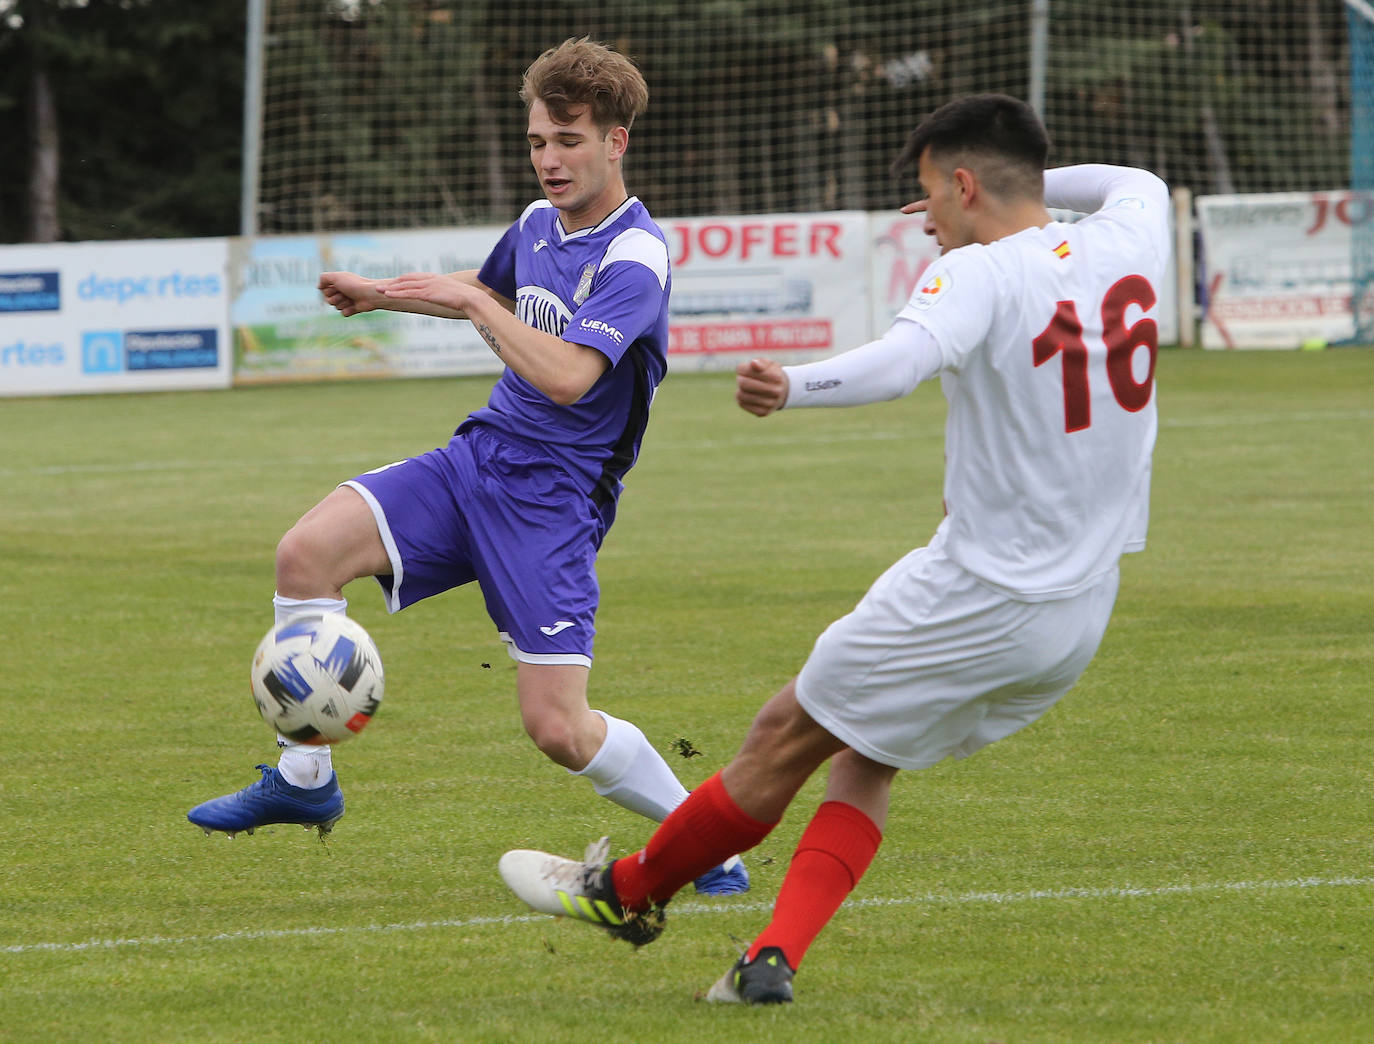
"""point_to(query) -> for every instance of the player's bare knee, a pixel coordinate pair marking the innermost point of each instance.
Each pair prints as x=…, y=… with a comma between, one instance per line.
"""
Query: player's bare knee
x=298, y=564
x=556, y=739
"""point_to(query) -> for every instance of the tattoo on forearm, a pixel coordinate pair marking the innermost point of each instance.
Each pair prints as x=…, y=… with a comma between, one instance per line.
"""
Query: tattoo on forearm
x=489, y=337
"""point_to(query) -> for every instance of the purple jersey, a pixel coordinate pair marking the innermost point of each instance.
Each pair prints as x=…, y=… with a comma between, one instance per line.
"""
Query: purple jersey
x=604, y=287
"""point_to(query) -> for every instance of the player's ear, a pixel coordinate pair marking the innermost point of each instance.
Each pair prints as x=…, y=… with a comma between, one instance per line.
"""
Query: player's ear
x=965, y=184
x=619, y=140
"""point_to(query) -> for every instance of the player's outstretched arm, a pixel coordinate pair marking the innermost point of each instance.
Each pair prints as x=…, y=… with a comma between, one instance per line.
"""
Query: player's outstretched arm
x=888, y=368
x=350, y=293
x=447, y=296
x=428, y=294
x=760, y=386
x=562, y=370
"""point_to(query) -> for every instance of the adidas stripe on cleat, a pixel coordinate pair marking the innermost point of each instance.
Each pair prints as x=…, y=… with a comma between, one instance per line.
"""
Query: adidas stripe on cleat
x=767, y=979
x=583, y=891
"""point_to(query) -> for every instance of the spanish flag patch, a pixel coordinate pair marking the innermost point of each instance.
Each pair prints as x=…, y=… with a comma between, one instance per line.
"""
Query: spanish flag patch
x=1062, y=250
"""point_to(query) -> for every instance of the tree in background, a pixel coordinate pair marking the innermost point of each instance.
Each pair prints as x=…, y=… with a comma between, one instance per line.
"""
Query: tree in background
x=122, y=118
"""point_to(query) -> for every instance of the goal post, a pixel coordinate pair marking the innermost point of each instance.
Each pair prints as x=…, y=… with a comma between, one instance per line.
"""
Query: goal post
x=1360, y=16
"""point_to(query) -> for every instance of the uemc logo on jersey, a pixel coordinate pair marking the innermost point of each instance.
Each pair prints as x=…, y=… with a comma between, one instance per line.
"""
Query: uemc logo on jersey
x=538, y=307
x=598, y=327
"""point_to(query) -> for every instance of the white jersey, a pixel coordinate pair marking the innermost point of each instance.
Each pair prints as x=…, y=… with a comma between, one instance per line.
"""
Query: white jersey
x=1045, y=342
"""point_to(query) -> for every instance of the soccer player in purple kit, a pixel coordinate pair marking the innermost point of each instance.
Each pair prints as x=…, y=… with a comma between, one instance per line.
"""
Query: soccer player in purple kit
x=574, y=300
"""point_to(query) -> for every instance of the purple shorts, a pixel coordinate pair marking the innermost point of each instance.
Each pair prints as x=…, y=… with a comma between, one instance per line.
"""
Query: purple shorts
x=501, y=512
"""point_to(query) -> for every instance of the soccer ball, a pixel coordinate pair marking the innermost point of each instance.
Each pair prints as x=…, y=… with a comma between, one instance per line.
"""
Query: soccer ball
x=317, y=678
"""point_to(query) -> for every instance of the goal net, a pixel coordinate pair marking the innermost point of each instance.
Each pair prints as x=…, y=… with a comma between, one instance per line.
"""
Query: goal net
x=404, y=113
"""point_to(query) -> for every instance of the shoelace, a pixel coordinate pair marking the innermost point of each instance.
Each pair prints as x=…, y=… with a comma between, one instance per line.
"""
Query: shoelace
x=567, y=873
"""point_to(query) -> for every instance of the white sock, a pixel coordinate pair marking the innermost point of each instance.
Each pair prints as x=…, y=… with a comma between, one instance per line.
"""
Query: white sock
x=628, y=771
x=285, y=608
x=303, y=764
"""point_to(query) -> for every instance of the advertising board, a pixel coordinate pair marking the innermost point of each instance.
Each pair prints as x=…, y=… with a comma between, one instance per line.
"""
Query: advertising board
x=111, y=317
x=1277, y=267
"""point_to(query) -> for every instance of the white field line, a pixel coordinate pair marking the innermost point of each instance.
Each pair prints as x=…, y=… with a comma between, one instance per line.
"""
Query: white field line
x=693, y=908
x=653, y=445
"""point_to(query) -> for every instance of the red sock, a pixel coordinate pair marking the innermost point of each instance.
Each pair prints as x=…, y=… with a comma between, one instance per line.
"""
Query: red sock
x=702, y=832
x=833, y=853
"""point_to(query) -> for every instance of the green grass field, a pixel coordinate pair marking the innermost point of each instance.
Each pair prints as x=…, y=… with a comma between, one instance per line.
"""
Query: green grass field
x=1181, y=851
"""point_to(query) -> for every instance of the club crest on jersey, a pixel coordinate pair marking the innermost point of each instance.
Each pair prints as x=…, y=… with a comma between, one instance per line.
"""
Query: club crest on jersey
x=584, y=285
x=931, y=290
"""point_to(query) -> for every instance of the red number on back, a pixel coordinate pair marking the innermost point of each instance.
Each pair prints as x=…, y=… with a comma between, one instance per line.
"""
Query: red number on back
x=1065, y=334
x=1122, y=341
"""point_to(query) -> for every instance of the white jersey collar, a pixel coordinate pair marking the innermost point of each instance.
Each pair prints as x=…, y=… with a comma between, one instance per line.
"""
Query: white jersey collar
x=606, y=222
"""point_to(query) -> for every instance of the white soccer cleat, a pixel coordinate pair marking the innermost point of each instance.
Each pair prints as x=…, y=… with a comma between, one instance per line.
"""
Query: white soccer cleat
x=583, y=891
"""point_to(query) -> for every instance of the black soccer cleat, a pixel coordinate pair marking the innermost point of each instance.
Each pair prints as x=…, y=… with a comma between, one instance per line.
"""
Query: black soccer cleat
x=767, y=979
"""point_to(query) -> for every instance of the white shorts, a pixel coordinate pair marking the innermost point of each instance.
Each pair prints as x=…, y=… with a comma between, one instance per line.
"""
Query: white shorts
x=931, y=663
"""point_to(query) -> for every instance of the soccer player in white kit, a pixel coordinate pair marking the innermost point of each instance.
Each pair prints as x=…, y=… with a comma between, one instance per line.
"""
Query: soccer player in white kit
x=1044, y=339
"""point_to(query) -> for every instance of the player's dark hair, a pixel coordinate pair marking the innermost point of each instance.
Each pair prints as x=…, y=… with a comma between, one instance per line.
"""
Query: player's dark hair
x=998, y=137
x=583, y=72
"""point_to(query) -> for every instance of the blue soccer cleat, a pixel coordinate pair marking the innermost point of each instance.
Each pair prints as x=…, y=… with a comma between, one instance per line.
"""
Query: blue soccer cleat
x=730, y=878
x=272, y=800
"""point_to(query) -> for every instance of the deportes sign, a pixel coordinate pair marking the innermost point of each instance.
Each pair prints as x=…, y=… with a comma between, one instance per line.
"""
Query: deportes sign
x=107, y=317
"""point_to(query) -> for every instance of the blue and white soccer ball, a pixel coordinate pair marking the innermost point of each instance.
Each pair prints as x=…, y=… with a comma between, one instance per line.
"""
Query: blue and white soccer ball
x=317, y=678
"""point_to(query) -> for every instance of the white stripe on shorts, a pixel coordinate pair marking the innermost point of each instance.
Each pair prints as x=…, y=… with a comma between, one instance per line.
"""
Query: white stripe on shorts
x=520, y=656
x=391, y=592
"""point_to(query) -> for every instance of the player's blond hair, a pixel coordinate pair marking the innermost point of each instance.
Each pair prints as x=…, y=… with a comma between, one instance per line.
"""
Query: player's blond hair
x=583, y=72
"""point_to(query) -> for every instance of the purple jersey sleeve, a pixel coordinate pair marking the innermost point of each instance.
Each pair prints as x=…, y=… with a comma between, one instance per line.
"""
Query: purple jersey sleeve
x=625, y=301
x=498, y=271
